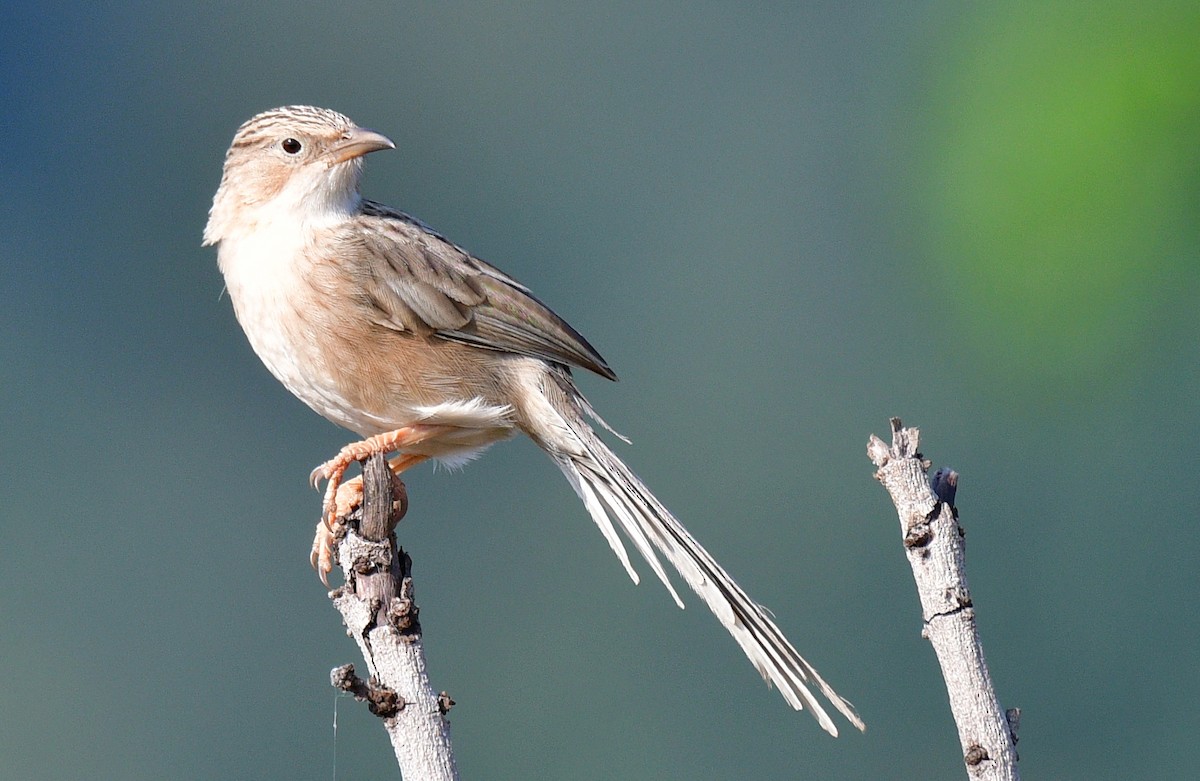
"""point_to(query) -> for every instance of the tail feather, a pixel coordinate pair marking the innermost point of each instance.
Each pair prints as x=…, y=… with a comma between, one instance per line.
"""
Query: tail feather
x=612, y=492
x=596, y=510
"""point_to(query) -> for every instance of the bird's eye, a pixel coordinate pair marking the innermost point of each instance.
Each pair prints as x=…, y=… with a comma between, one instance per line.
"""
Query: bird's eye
x=291, y=146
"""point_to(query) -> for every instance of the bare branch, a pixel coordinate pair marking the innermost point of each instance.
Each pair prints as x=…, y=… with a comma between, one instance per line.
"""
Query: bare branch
x=377, y=607
x=933, y=542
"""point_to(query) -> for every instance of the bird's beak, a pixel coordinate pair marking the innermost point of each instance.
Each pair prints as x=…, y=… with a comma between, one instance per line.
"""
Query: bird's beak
x=357, y=143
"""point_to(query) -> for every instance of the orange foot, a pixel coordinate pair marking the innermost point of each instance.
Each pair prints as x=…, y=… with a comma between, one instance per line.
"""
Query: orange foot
x=333, y=469
x=342, y=498
x=349, y=496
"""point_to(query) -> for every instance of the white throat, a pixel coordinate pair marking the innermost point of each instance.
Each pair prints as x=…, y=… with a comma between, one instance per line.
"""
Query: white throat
x=313, y=197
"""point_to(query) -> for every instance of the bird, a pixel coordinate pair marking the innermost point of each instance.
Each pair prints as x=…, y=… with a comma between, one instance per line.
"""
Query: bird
x=388, y=329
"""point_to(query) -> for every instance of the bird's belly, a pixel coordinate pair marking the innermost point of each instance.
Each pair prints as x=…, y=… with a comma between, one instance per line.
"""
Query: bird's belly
x=369, y=380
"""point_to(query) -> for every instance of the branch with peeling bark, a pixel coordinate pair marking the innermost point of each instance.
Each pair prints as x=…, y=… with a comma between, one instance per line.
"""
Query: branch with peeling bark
x=933, y=542
x=377, y=607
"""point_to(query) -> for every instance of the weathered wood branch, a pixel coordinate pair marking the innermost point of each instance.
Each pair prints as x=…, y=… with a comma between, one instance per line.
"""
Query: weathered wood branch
x=933, y=542
x=377, y=607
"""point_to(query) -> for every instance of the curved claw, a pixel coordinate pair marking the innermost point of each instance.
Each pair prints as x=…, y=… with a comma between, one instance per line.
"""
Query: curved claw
x=321, y=557
x=341, y=499
x=345, y=498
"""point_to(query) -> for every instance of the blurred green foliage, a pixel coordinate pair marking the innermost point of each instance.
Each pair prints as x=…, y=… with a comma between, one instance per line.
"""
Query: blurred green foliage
x=1061, y=166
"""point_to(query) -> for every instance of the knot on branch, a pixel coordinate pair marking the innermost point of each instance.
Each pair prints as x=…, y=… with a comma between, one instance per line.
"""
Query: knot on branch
x=976, y=754
x=381, y=701
x=403, y=615
x=918, y=536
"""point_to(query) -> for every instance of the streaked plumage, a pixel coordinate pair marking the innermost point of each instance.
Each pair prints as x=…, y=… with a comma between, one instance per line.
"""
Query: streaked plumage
x=379, y=323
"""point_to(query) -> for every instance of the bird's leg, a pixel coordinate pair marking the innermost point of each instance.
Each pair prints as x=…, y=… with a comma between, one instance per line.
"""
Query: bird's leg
x=350, y=493
x=348, y=496
x=333, y=469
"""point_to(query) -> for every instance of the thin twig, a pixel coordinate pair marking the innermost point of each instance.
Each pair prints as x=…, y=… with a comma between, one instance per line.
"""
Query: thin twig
x=933, y=542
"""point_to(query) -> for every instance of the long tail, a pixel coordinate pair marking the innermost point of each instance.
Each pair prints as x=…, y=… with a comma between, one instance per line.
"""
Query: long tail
x=613, y=493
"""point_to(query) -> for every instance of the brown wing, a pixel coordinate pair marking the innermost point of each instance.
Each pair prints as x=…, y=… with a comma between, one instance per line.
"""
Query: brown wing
x=424, y=284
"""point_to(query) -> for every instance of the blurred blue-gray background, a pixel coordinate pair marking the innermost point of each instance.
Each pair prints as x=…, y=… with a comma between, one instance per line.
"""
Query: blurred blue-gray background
x=779, y=224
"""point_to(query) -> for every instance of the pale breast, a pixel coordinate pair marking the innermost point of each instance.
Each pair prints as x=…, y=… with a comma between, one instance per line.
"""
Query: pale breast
x=306, y=323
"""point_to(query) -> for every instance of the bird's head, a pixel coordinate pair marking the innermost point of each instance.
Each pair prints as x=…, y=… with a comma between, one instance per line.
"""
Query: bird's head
x=296, y=162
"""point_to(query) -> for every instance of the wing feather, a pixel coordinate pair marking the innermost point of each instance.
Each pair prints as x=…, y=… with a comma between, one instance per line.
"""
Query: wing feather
x=427, y=285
